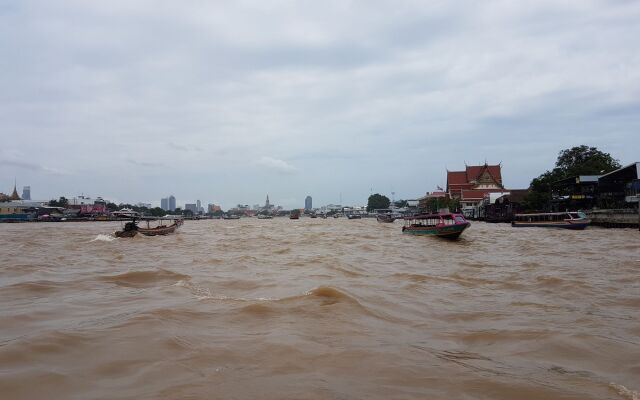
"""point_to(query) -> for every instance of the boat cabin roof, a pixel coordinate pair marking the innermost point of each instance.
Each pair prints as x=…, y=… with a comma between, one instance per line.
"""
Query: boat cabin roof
x=166, y=218
x=550, y=213
x=433, y=216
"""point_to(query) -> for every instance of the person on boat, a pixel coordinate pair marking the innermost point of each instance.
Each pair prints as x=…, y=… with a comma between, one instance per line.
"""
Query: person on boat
x=130, y=226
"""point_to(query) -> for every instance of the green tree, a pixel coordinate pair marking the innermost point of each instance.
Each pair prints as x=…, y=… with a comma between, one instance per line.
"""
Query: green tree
x=61, y=202
x=579, y=160
x=377, y=201
x=157, y=212
x=585, y=160
x=435, y=204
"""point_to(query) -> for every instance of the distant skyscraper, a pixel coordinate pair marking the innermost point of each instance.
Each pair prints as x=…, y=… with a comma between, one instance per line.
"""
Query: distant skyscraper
x=26, y=193
x=266, y=204
x=191, y=207
x=172, y=203
x=164, y=204
x=199, y=206
x=308, y=205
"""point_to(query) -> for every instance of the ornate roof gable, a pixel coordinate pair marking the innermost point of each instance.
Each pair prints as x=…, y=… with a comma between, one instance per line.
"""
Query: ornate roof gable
x=14, y=195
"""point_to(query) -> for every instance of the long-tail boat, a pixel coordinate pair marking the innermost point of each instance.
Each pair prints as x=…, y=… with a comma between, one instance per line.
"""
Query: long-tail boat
x=132, y=228
x=388, y=218
x=444, y=225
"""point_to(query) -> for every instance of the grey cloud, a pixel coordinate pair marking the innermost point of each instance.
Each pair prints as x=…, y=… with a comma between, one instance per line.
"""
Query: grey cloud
x=276, y=165
x=145, y=163
x=31, y=167
x=344, y=91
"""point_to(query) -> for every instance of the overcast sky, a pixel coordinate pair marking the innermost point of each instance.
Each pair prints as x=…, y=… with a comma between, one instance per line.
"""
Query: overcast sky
x=228, y=101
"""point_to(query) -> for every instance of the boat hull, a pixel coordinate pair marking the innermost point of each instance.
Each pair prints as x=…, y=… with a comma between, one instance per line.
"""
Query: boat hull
x=574, y=226
x=158, y=231
x=446, y=232
x=125, y=234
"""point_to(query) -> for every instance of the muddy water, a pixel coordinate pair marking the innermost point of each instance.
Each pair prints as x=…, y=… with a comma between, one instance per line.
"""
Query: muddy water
x=318, y=309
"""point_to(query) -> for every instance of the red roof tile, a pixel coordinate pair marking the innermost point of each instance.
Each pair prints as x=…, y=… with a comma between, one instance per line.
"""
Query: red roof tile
x=474, y=172
x=456, y=177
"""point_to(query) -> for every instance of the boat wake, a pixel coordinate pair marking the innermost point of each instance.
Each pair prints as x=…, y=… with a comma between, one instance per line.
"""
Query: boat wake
x=624, y=392
x=103, y=238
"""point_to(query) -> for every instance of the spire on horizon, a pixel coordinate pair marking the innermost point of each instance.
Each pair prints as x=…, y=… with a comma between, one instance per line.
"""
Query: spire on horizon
x=14, y=195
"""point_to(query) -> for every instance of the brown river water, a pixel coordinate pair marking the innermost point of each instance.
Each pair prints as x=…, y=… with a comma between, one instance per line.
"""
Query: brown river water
x=318, y=309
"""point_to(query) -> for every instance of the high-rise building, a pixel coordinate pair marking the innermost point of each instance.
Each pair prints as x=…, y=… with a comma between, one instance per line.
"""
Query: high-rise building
x=191, y=207
x=26, y=193
x=198, y=206
x=164, y=203
x=308, y=204
x=266, y=204
x=172, y=203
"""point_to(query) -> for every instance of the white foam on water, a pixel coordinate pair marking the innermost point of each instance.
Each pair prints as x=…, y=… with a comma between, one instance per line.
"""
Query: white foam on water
x=103, y=238
x=624, y=392
x=198, y=292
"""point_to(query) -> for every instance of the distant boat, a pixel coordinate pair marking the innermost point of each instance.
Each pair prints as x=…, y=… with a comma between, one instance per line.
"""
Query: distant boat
x=125, y=213
x=445, y=225
x=264, y=216
x=295, y=214
x=565, y=220
x=388, y=218
x=354, y=216
x=227, y=216
x=132, y=228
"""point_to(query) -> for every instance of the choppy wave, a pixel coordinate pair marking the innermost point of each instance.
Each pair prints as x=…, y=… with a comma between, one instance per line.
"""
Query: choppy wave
x=33, y=286
x=145, y=278
x=317, y=309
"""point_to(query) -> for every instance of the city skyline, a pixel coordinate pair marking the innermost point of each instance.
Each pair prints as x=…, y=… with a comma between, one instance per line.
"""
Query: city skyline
x=227, y=101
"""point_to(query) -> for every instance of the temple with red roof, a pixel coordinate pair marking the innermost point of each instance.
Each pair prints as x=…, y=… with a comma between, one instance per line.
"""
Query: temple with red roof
x=474, y=183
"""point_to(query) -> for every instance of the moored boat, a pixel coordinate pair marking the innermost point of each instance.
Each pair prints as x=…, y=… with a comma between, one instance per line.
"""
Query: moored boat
x=354, y=216
x=125, y=213
x=566, y=220
x=445, y=225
